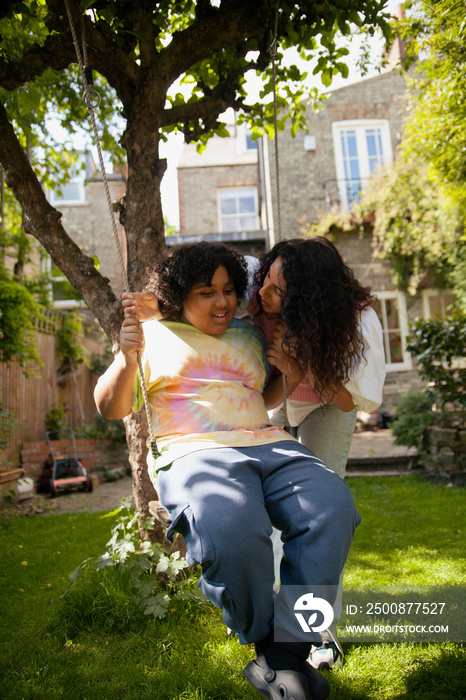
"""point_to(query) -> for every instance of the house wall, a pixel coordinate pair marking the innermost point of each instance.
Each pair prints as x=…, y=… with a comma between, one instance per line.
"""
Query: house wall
x=357, y=252
x=303, y=174
x=198, y=193
x=90, y=227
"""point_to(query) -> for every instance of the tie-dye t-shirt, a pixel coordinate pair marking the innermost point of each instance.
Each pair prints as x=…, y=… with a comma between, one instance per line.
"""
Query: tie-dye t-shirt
x=204, y=391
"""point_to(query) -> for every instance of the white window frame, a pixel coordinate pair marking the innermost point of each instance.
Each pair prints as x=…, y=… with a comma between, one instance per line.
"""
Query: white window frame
x=400, y=299
x=227, y=192
x=242, y=132
x=360, y=126
x=79, y=180
x=427, y=293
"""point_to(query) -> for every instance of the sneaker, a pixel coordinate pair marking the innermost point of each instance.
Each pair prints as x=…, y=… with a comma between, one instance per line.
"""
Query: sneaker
x=329, y=655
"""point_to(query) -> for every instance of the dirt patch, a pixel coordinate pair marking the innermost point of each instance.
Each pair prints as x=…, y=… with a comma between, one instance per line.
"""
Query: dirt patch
x=103, y=498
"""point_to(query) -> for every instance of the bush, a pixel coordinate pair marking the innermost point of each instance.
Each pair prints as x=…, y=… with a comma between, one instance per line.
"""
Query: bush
x=18, y=311
x=102, y=428
x=413, y=415
x=436, y=345
x=56, y=418
x=156, y=577
x=9, y=425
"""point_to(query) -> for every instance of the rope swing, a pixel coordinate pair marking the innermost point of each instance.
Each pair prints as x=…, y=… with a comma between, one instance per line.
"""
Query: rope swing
x=273, y=54
x=90, y=96
x=89, y=93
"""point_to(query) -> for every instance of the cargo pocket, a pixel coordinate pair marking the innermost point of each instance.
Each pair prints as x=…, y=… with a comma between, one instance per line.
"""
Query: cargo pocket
x=199, y=546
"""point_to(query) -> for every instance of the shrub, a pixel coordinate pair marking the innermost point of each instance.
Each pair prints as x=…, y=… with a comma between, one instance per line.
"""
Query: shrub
x=18, y=311
x=157, y=578
x=102, y=428
x=56, y=418
x=436, y=345
x=413, y=415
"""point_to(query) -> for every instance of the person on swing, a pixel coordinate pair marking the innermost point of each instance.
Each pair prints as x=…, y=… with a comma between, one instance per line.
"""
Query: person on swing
x=225, y=475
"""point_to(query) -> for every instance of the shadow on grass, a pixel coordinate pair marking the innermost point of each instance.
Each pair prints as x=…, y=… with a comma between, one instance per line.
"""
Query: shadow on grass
x=443, y=678
x=401, y=672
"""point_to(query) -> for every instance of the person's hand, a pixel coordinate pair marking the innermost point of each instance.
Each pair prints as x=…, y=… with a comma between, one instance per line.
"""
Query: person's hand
x=284, y=362
x=279, y=335
x=141, y=305
x=131, y=339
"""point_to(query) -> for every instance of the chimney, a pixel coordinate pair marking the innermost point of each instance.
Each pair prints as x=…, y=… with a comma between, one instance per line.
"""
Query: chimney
x=398, y=48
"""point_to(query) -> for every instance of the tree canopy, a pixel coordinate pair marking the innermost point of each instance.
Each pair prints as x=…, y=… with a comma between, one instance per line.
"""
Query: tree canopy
x=420, y=206
x=159, y=65
x=140, y=52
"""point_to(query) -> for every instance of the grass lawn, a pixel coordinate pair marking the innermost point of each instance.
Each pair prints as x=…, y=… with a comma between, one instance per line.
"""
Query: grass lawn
x=95, y=643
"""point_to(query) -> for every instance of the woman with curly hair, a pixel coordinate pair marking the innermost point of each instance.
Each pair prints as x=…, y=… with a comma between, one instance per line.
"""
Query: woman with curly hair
x=310, y=306
x=225, y=475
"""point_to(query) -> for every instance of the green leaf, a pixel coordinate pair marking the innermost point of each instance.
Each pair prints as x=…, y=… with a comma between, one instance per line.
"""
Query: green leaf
x=157, y=605
x=28, y=100
x=326, y=77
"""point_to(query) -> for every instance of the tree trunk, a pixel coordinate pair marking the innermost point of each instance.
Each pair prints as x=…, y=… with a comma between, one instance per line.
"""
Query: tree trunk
x=143, y=490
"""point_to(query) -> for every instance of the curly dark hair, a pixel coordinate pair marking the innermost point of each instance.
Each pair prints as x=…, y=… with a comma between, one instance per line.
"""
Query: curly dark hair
x=187, y=264
x=320, y=307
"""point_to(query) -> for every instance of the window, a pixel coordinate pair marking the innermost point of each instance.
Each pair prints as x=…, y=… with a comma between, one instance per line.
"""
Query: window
x=244, y=142
x=360, y=147
x=250, y=144
x=73, y=191
x=435, y=303
x=61, y=293
x=238, y=209
x=391, y=310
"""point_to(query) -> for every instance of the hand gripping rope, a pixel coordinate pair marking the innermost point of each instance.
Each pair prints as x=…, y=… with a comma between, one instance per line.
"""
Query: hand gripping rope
x=89, y=94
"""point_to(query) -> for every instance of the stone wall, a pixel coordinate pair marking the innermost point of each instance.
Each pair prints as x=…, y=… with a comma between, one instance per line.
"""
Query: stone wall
x=444, y=453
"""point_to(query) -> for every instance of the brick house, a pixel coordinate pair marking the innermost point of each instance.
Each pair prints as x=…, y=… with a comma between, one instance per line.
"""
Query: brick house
x=86, y=219
x=222, y=193
x=230, y=183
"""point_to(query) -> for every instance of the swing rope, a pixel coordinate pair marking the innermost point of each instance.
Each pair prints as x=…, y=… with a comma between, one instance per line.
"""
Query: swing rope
x=273, y=54
x=86, y=75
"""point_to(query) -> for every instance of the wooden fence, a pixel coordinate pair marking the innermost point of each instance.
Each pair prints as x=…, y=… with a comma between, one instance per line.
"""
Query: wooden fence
x=30, y=398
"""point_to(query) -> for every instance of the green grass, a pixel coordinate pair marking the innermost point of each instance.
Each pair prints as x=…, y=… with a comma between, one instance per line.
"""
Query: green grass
x=95, y=643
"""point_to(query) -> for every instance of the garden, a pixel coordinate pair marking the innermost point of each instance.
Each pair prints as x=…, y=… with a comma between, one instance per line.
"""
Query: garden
x=96, y=636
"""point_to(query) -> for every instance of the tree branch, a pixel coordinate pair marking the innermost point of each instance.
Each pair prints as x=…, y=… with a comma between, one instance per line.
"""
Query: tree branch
x=231, y=24
x=43, y=221
x=55, y=53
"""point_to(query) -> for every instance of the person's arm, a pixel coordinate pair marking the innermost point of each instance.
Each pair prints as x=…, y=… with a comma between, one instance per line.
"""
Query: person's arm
x=113, y=394
x=337, y=396
x=367, y=381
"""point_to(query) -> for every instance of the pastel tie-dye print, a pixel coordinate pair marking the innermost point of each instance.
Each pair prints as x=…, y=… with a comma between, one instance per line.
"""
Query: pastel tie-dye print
x=204, y=391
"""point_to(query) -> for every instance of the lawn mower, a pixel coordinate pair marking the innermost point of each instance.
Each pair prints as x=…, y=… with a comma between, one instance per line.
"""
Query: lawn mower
x=65, y=471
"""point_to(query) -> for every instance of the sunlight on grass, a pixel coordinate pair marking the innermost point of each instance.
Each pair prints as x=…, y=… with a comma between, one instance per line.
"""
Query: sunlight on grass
x=95, y=643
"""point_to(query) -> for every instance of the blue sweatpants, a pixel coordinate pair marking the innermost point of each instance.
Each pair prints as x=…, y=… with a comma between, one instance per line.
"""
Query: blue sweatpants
x=224, y=502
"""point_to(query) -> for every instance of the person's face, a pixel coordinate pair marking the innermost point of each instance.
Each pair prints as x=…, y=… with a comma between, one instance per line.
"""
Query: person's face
x=211, y=308
x=273, y=288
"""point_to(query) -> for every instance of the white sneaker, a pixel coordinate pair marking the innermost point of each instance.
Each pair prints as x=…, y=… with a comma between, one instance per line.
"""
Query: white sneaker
x=329, y=655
